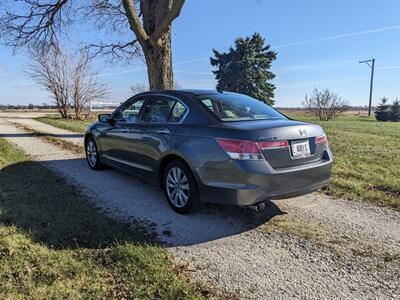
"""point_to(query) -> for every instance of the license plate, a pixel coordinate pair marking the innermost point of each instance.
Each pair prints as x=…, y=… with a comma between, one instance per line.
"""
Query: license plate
x=300, y=148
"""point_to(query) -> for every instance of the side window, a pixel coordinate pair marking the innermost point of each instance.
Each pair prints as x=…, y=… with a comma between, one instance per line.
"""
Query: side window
x=158, y=110
x=178, y=112
x=130, y=114
x=208, y=103
x=212, y=106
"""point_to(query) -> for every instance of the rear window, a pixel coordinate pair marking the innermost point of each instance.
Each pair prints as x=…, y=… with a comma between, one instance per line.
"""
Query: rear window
x=234, y=107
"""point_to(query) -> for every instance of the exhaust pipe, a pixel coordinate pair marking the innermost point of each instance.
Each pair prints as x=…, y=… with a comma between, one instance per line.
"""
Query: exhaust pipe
x=259, y=207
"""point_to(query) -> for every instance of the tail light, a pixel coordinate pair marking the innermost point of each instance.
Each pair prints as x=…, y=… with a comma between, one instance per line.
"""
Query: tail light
x=321, y=139
x=248, y=150
x=239, y=149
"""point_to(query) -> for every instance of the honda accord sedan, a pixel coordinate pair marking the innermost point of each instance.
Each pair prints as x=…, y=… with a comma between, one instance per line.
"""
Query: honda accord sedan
x=210, y=146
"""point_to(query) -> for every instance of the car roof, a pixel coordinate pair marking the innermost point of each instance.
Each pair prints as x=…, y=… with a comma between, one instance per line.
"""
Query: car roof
x=201, y=115
x=190, y=92
x=200, y=92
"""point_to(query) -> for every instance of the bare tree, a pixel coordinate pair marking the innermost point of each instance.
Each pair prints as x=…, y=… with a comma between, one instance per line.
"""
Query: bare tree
x=324, y=105
x=140, y=87
x=140, y=26
x=85, y=84
x=70, y=81
x=50, y=71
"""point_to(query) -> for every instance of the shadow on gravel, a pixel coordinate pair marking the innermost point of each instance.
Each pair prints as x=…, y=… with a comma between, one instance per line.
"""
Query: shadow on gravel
x=48, y=211
x=123, y=197
x=33, y=134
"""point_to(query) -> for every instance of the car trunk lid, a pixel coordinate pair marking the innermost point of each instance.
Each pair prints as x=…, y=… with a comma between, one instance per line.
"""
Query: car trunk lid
x=286, y=143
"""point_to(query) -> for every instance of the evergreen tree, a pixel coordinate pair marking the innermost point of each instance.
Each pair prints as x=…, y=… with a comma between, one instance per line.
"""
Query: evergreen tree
x=245, y=68
x=395, y=111
x=382, y=112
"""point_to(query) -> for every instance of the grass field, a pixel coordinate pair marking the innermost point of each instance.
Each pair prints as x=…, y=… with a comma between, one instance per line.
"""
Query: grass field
x=367, y=158
x=68, y=124
x=55, y=245
x=366, y=152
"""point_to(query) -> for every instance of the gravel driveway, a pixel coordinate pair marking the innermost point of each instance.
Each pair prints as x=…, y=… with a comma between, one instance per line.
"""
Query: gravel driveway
x=327, y=248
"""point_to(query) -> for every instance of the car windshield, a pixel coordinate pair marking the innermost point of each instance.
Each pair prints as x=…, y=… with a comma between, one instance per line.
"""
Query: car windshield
x=229, y=107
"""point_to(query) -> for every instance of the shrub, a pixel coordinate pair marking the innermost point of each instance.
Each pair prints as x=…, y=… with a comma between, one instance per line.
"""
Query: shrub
x=395, y=111
x=382, y=112
x=325, y=105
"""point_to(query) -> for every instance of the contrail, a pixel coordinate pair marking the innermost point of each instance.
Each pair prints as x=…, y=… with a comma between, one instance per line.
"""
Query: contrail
x=121, y=72
x=333, y=37
x=192, y=73
x=191, y=61
x=389, y=67
x=143, y=69
x=339, y=36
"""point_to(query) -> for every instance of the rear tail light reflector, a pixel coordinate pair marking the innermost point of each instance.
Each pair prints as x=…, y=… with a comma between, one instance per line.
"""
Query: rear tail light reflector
x=320, y=139
x=273, y=144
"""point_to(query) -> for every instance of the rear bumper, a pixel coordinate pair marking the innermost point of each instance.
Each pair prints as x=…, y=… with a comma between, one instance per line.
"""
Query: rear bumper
x=248, y=182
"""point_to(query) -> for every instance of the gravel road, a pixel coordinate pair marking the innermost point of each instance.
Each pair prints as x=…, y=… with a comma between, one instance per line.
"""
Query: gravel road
x=65, y=135
x=353, y=250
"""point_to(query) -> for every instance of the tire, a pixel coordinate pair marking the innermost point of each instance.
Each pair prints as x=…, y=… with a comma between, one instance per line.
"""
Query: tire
x=92, y=155
x=180, y=187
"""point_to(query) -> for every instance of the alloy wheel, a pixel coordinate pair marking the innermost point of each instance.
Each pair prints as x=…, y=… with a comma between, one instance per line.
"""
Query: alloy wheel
x=91, y=153
x=177, y=186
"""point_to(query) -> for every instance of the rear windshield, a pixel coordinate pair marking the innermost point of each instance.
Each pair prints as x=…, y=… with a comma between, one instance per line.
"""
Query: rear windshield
x=234, y=107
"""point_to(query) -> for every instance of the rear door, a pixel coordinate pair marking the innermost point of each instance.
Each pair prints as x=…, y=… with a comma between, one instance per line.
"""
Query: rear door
x=159, y=120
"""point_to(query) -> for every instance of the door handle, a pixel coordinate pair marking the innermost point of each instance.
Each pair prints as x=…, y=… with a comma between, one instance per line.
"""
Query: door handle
x=163, y=131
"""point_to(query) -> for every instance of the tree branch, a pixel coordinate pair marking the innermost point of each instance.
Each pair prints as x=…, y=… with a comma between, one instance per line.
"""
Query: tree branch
x=39, y=25
x=172, y=14
x=107, y=15
x=116, y=50
x=134, y=22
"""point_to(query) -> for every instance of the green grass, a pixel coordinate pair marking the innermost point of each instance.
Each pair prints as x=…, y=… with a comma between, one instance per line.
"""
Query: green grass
x=366, y=152
x=367, y=158
x=54, y=244
x=68, y=124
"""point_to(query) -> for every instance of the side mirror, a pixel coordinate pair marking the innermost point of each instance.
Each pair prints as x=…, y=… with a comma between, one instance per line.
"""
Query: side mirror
x=104, y=118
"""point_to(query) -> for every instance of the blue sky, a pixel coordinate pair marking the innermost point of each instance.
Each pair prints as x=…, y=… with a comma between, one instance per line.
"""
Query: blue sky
x=319, y=44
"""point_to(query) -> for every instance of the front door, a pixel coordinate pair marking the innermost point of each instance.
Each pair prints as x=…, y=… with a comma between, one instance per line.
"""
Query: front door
x=119, y=141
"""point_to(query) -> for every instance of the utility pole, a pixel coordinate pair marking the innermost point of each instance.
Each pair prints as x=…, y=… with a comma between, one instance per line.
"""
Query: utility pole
x=372, y=66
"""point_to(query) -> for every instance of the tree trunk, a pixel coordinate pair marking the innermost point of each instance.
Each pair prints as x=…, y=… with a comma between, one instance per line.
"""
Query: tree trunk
x=78, y=109
x=63, y=110
x=158, y=54
x=159, y=64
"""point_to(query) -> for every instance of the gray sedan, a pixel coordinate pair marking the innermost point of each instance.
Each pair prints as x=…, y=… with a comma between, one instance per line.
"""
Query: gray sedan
x=210, y=146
